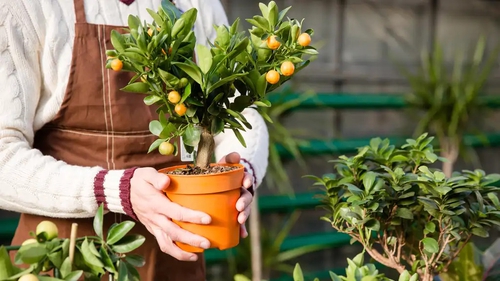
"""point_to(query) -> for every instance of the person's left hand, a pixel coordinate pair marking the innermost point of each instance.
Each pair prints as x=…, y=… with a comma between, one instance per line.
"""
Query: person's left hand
x=246, y=198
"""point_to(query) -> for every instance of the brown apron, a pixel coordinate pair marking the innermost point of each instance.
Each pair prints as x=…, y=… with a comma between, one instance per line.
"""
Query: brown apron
x=99, y=125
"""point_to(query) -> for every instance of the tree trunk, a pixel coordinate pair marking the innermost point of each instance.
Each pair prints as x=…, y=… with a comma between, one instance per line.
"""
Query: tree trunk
x=254, y=230
x=450, y=151
x=206, y=149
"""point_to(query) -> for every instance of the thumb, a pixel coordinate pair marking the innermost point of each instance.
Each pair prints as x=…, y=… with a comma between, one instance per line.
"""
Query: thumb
x=159, y=181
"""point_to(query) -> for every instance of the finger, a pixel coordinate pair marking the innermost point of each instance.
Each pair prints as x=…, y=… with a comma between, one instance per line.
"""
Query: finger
x=159, y=181
x=179, y=213
x=243, y=216
x=244, y=201
x=168, y=247
x=247, y=181
x=180, y=235
x=243, y=231
x=231, y=158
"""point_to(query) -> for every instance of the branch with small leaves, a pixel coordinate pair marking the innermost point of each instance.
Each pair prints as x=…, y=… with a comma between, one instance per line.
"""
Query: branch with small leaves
x=390, y=197
x=194, y=86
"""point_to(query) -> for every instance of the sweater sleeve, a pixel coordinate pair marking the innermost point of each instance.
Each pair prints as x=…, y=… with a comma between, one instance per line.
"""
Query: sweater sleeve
x=255, y=154
x=29, y=181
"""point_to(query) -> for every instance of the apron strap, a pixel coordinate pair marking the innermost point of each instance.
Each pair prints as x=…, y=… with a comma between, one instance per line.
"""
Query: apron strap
x=80, y=11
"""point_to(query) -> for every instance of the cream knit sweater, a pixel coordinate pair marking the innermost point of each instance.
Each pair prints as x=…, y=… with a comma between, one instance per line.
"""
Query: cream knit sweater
x=36, y=41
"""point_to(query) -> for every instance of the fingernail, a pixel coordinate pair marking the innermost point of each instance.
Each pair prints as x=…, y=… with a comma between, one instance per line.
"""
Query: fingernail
x=205, y=244
x=193, y=258
x=205, y=220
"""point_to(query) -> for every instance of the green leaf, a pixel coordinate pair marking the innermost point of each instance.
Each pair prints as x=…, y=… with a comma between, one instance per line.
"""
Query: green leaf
x=56, y=258
x=261, y=85
x=33, y=254
x=65, y=268
x=217, y=125
x=151, y=99
x=369, y=180
x=155, y=144
x=135, y=260
x=89, y=256
x=74, y=276
x=204, y=58
x=187, y=93
x=46, y=278
x=155, y=127
x=430, y=227
x=193, y=71
x=192, y=135
x=240, y=137
x=98, y=221
x=106, y=260
x=430, y=245
x=6, y=267
x=481, y=232
x=169, y=79
x=118, y=231
x=224, y=81
x=137, y=87
x=128, y=244
x=404, y=213
x=297, y=273
x=117, y=41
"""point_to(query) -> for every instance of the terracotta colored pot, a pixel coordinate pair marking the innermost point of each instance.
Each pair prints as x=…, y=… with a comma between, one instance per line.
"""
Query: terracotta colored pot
x=214, y=194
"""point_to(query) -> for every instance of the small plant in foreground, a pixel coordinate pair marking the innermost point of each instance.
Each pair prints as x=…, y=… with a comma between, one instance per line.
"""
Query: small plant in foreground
x=90, y=257
x=388, y=198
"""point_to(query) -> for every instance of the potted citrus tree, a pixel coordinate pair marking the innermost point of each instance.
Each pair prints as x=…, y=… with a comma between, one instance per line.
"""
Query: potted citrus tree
x=201, y=91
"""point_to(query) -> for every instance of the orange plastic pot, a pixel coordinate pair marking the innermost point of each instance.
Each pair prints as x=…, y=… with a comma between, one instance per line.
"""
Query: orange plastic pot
x=214, y=194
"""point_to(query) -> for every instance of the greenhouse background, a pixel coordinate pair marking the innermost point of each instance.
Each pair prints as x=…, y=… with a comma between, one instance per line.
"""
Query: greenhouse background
x=355, y=90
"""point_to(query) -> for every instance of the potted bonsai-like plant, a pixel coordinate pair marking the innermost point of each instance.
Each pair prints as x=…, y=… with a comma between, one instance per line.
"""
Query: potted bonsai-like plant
x=406, y=215
x=194, y=89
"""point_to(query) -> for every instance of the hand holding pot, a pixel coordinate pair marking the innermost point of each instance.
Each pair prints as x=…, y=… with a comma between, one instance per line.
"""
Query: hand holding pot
x=243, y=205
x=155, y=211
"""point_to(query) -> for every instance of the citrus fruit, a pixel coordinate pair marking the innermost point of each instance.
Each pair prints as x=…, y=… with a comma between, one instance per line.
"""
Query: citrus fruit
x=272, y=43
x=116, y=65
x=287, y=68
x=49, y=228
x=304, y=39
x=28, y=277
x=174, y=97
x=183, y=82
x=272, y=77
x=29, y=241
x=166, y=148
x=180, y=109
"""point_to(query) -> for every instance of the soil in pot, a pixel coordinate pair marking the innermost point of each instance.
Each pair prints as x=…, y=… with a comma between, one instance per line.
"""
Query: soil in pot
x=213, y=193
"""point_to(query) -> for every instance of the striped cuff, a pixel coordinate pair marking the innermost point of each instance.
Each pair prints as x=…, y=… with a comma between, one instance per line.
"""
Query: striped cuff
x=112, y=190
x=249, y=169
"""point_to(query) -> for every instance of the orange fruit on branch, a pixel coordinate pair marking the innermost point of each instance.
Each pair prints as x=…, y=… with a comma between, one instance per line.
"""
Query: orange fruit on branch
x=273, y=43
x=304, y=39
x=272, y=77
x=287, y=68
x=116, y=64
x=174, y=97
x=180, y=109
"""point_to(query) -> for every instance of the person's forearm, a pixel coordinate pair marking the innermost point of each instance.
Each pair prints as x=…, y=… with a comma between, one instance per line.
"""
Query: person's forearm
x=37, y=184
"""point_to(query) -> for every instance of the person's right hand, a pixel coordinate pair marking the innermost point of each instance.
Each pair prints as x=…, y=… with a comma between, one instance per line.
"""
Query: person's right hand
x=156, y=211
